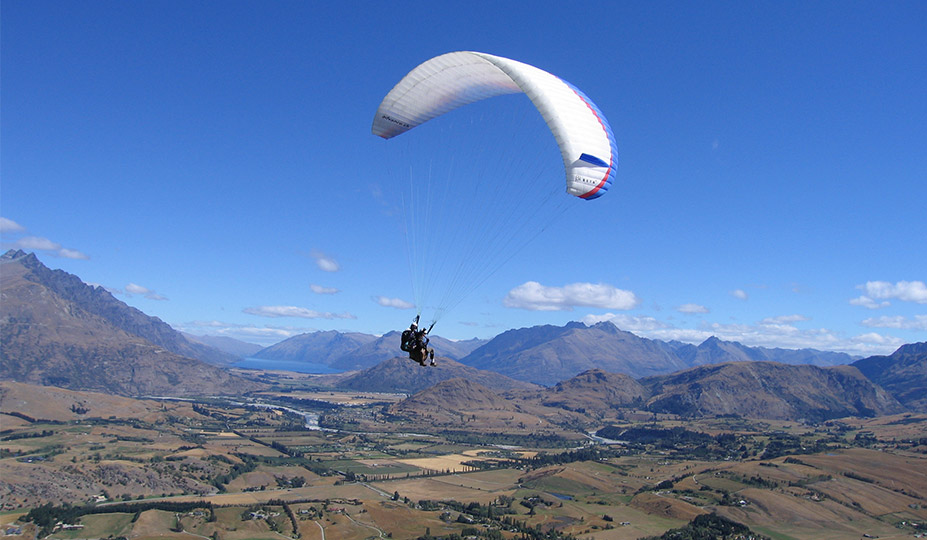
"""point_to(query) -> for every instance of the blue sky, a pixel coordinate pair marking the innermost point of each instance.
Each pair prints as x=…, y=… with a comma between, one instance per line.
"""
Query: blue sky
x=211, y=163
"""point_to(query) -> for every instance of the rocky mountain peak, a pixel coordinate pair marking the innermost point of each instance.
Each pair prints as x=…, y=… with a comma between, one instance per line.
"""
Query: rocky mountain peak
x=17, y=254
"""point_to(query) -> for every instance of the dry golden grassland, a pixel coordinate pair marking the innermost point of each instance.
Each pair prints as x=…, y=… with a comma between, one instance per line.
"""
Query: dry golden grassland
x=843, y=492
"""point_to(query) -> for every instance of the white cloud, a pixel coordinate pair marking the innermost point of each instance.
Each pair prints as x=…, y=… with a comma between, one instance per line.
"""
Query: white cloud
x=8, y=226
x=319, y=289
x=263, y=335
x=630, y=323
x=906, y=291
x=692, y=309
x=72, y=254
x=132, y=288
x=784, y=319
x=324, y=262
x=874, y=340
x=771, y=332
x=869, y=303
x=536, y=297
x=294, y=311
x=397, y=303
x=918, y=322
x=38, y=243
x=739, y=294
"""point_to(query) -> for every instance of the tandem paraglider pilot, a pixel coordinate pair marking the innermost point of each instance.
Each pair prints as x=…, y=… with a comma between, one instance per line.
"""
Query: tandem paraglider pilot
x=415, y=342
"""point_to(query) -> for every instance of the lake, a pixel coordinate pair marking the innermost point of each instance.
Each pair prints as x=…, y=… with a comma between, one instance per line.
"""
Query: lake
x=284, y=365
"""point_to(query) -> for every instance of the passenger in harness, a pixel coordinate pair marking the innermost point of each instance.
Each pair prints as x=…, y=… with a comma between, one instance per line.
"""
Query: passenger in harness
x=415, y=342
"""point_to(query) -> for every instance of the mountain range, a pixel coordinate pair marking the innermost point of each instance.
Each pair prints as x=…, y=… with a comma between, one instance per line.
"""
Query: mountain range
x=353, y=350
x=545, y=354
x=766, y=390
x=903, y=373
x=57, y=330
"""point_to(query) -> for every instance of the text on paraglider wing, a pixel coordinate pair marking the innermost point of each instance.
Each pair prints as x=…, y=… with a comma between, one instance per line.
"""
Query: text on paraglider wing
x=583, y=180
x=397, y=122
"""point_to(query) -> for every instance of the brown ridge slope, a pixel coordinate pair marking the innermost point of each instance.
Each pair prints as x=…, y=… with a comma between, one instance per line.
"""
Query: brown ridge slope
x=462, y=404
x=770, y=390
x=594, y=391
x=49, y=339
x=404, y=375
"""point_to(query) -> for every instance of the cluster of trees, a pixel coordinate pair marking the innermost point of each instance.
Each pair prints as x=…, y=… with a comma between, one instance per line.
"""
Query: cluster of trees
x=48, y=515
x=710, y=527
x=237, y=469
x=533, y=440
x=27, y=435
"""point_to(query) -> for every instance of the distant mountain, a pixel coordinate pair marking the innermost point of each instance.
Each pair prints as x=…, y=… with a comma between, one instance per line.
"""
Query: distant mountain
x=548, y=354
x=352, y=351
x=240, y=349
x=316, y=347
x=56, y=330
x=903, y=374
x=769, y=390
x=404, y=375
x=715, y=351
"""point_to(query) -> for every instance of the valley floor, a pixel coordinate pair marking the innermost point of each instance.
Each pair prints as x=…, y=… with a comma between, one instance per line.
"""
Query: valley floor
x=214, y=469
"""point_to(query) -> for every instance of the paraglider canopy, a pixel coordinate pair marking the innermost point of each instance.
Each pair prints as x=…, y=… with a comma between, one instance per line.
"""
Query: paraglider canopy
x=475, y=196
x=452, y=80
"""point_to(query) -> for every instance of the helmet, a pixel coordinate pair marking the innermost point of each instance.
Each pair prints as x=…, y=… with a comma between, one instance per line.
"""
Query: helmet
x=414, y=326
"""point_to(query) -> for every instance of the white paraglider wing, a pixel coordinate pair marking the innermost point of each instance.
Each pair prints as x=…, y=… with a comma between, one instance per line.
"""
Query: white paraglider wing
x=449, y=81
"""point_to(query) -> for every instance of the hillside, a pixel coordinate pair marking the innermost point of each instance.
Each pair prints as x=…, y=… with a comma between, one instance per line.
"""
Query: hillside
x=595, y=391
x=100, y=302
x=58, y=331
x=769, y=390
x=62, y=405
x=903, y=374
x=404, y=375
x=455, y=395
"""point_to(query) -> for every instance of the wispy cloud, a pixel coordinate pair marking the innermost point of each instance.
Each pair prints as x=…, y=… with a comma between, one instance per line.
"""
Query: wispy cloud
x=769, y=332
x=319, y=289
x=397, y=303
x=740, y=294
x=37, y=243
x=906, y=291
x=691, y=309
x=869, y=303
x=325, y=262
x=536, y=297
x=133, y=289
x=294, y=311
x=918, y=322
x=10, y=228
x=631, y=323
x=784, y=319
x=263, y=335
